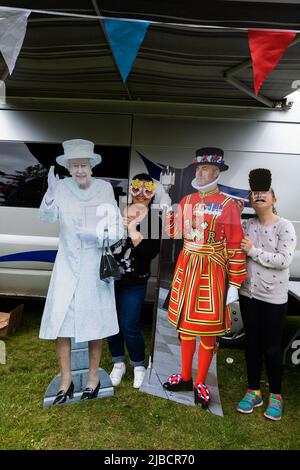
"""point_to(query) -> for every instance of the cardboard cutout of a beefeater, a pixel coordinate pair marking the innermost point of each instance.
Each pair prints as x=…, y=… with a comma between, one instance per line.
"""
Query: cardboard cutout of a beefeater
x=209, y=270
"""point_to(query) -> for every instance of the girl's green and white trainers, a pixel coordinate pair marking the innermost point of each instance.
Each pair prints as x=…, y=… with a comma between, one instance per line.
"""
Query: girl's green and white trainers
x=274, y=410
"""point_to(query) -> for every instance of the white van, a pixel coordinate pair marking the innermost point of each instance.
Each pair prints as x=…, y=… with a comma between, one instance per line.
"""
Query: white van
x=131, y=143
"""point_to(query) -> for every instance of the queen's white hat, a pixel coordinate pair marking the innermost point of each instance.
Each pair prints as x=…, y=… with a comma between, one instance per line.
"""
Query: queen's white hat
x=78, y=148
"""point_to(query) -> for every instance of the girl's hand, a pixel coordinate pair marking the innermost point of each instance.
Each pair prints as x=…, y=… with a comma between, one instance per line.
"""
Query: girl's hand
x=128, y=220
x=241, y=204
x=246, y=244
x=132, y=223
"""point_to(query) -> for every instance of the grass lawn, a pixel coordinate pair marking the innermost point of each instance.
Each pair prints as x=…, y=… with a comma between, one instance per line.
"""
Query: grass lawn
x=131, y=419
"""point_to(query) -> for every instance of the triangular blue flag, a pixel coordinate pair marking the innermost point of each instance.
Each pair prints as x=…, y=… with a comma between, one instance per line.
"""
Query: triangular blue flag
x=125, y=38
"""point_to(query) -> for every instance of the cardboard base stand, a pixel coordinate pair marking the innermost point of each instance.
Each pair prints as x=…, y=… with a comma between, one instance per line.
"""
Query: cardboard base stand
x=167, y=360
x=80, y=366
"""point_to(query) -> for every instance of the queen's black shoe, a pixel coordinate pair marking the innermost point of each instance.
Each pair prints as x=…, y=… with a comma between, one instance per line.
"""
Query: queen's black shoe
x=175, y=383
x=202, y=395
x=89, y=393
x=62, y=395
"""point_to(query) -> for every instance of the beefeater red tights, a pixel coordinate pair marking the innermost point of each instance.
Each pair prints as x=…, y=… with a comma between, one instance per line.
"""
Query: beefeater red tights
x=205, y=354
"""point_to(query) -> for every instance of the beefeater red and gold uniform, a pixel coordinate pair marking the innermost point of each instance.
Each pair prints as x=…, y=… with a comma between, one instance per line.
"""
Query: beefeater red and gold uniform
x=209, y=261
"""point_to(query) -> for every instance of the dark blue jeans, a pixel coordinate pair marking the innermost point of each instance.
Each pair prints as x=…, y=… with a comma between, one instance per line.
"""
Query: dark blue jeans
x=129, y=301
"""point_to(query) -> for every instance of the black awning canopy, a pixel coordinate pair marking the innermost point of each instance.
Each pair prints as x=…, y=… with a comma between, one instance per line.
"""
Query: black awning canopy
x=65, y=57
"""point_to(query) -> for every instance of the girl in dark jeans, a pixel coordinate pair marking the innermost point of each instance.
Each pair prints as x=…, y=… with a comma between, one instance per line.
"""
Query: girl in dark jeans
x=134, y=255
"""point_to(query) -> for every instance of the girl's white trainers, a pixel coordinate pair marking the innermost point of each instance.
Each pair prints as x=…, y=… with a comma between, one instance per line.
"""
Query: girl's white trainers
x=139, y=374
x=117, y=373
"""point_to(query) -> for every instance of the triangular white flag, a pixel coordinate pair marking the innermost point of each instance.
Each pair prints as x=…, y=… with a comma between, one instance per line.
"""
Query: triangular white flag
x=13, y=24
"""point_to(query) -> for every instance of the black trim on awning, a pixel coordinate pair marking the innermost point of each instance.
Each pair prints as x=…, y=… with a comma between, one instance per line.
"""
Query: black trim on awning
x=237, y=14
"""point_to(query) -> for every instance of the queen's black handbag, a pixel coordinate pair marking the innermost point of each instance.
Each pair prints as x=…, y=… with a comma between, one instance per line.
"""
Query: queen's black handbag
x=109, y=268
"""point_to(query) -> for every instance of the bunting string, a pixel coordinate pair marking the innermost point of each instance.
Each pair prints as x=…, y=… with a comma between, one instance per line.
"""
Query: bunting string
x=156, y=23
x=125, y=37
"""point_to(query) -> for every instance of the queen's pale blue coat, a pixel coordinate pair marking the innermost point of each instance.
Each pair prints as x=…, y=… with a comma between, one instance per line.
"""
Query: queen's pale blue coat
x=75, y=289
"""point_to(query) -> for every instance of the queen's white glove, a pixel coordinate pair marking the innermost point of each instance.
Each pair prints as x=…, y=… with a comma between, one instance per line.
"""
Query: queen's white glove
x=52, y=184
x=86, y=235
x=232, y=294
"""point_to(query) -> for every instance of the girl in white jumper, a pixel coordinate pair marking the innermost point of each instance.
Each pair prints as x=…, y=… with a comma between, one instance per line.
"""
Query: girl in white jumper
x=270, y=243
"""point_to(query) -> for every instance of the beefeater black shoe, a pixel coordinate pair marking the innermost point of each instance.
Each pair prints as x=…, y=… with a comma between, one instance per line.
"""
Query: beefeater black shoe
x=175, y=383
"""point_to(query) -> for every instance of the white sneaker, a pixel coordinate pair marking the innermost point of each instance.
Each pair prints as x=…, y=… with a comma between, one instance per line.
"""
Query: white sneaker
x=117, y=373
x=139, y=374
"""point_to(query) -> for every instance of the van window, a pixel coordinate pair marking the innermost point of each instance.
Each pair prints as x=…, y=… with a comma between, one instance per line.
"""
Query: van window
x=24, y=167
x=22, y=176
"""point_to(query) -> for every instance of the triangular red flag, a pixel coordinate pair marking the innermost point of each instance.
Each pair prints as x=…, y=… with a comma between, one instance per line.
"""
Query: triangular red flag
x=266, y=49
